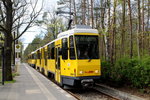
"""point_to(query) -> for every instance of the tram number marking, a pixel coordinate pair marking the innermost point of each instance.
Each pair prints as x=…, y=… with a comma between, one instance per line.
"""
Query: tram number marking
x=68, y=64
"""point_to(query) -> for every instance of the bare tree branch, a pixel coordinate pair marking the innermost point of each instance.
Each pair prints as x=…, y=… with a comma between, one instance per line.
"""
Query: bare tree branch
x=33, y=16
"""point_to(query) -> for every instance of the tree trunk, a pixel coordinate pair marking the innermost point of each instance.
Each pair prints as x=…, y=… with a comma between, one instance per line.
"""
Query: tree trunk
x=108, y=51
x=83, y=12
x=143, y=29
x=122, y=52
x=113, y=34
x=88, y=12
x=102, y=14
x=75, y=14
x=130, y=21
x=92, y=16
x=147, y=28
x=139, y=30
x=8, y=41
x=7, y=61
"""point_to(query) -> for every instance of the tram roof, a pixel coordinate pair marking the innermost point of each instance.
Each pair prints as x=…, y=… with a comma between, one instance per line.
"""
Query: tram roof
x=71, y=32
x=76, y=30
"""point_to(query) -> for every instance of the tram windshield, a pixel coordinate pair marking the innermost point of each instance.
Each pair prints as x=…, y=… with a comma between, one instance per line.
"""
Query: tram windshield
x=87, y=47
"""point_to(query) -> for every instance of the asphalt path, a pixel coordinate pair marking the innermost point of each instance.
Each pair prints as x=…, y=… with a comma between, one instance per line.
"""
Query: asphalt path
x=31, y=85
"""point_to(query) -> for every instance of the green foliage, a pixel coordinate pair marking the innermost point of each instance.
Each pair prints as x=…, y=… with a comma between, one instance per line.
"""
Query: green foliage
x=15, y=74
x=128, y=71
x=36, y=43
x=106, y=67
x=8, y=82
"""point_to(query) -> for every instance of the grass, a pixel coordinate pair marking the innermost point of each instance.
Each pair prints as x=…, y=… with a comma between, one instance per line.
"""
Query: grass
x=7, y=82
x=15, y=74
x=13, y=81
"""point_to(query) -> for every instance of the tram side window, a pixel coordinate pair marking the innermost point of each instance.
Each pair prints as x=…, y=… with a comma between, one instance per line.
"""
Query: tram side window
x=42, y=53
x=34, y=56
x=48, y=52
x=45, y=57
x=72, y=51
x=64, y=48
x=39, y=54
x=52, y=51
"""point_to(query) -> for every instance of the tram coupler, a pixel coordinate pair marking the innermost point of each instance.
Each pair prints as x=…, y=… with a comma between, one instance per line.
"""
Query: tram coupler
x=87, y=83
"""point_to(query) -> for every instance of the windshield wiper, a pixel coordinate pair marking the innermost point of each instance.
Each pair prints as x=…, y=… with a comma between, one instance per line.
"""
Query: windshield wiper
x=89, y=60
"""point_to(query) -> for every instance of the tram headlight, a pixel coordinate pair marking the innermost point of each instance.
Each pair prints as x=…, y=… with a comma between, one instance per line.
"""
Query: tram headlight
x=96, y=71
x=81, y=72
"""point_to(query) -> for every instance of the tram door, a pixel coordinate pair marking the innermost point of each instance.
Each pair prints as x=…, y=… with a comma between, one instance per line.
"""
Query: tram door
x=57, y=65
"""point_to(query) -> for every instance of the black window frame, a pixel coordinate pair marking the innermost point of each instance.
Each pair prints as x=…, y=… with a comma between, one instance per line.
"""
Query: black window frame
x=45, y=57
x=48, y=52
x=65, y=48
x=72, y=55
x=52, y=51
x=88, y=50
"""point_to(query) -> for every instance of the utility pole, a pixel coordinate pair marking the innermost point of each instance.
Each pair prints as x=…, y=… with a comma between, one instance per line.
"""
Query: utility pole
x=70, y=9
x=14, y=50
x=92, y=16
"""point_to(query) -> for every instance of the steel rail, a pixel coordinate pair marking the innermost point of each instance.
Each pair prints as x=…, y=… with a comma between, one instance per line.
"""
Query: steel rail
x=119, y=95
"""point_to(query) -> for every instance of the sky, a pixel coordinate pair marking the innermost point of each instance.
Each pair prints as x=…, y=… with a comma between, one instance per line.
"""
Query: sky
x=30, y=34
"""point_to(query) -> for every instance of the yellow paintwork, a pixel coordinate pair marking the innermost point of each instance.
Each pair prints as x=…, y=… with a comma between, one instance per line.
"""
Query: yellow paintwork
x=88, y=67
x=44, y=64
x=38, y=64
x=31, y=61
x=85, y=34
x=42, y=59
x=51, y=65
x=57, y=71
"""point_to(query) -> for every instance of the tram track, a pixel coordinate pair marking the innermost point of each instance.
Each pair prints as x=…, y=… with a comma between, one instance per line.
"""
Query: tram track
x=114, y=93
x=84, y=94
x=92, y=93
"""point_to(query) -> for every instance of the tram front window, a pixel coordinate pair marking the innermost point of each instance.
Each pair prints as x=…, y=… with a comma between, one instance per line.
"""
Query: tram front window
x=87, y=47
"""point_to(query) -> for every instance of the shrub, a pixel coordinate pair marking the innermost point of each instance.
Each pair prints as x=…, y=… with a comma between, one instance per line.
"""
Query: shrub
x=141, y=73
x=106, y=67
x=128, y=71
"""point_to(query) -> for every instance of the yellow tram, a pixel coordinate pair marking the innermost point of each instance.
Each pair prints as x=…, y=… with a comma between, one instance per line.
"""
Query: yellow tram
x=72, y=59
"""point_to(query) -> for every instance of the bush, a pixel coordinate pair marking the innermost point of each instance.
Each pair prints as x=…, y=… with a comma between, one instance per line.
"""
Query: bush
x=106, y=67
x=141, y=73
x=128, y=71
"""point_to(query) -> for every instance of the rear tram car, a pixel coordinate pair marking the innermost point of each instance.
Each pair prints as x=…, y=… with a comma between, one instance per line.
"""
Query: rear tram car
x=32, y=59
x=72, y=59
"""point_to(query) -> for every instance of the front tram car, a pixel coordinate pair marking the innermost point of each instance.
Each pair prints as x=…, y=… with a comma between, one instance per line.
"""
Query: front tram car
x=72, y=59
x=78, y=57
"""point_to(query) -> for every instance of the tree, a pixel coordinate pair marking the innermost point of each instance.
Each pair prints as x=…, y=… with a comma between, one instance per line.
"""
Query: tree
x=52, y=24
x=35, y=44
x=130, y=21
x=15, y=14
